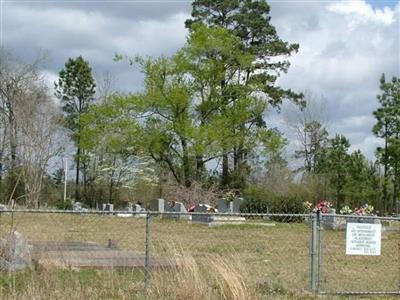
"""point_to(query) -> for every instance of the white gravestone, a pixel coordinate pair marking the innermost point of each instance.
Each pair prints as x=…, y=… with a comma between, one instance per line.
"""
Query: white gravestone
x=137, y=207
x=108, y=207
x=363, y=239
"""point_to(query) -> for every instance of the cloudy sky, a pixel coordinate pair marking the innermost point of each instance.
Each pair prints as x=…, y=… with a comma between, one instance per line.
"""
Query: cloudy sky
x=345, y=46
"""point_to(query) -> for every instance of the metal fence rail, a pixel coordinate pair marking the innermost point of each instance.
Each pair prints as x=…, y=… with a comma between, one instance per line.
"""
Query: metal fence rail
x=266, y=253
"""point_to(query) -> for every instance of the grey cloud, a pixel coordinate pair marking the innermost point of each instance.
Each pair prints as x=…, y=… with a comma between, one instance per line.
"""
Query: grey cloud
x=125, y=9
x=338, y=59
x=72, y=32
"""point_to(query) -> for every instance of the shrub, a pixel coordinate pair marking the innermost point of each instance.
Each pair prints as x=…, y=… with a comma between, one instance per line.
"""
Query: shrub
x=255, y=200
x=287, y=204
x=259, y=200
x=67, y=205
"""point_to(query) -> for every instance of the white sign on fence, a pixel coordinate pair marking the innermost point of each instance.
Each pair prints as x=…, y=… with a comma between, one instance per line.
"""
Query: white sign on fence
x=363, y=239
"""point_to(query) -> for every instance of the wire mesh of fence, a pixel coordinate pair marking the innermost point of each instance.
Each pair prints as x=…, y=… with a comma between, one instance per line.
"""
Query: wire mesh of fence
x=188, y=255
x=359, y=255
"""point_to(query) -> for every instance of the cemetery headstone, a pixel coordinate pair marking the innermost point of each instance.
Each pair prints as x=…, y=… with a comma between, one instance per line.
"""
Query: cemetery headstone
x=330, y=221
x=76, y=206
x=356, y=219
x=169, y=206
x=236, y=203
x=202, y=208
x=16, y=253
x=108, y=207
x=180, y=208
x=137, y=207
x=223, y=206
x=157, y=205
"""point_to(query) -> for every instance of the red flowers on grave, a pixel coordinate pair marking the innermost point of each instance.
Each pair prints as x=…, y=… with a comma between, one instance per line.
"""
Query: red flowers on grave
x=322, y=206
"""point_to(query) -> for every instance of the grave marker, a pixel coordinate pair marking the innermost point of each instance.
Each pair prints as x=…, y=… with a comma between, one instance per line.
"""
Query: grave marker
x=157, y=205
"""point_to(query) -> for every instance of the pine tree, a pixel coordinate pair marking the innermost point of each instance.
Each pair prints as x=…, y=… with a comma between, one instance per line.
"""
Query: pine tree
x=75, y=88
x=250, y=22
x=388, y=128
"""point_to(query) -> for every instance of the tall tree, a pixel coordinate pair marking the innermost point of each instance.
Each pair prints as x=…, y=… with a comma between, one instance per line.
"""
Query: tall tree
x=309, y=126
x=18, y=80
x=250, y=22
x=184, y=121
x=333, y=162
x=313, y=138
x=362, y=184
x=40, y=137
x=388, y=128
x=338, y=159
x=213, y=55
x=76, y=88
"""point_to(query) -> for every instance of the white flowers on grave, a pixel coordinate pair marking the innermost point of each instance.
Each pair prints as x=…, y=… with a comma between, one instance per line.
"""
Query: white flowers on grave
x=364, y=210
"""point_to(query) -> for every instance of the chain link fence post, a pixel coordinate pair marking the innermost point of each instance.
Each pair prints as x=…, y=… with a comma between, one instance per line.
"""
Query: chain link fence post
x=320, y=251
x=147, y=252
x=313, y=253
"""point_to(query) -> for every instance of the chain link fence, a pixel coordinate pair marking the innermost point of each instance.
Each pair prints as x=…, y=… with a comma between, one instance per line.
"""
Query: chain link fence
x=345, y=273
x=179, y=255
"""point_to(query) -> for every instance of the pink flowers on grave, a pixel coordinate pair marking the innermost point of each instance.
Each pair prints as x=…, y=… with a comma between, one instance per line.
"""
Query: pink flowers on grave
x=364, y=210
x=322, y=206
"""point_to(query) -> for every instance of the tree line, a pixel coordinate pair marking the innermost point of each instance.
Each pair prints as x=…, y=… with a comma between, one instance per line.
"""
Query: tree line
x=200, y=120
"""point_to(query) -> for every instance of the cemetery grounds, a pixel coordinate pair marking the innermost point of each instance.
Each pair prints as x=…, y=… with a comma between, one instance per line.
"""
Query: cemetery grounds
x=260, y=259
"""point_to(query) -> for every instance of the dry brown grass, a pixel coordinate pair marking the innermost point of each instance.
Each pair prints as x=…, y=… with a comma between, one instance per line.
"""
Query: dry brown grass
x=58, y=284
x=230, y=262
x=210, y=277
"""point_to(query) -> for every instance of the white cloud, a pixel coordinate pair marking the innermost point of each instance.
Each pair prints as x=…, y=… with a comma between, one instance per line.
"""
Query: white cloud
x=360, y=11
x=359, y=122
x=367, y=146
x=343, y=52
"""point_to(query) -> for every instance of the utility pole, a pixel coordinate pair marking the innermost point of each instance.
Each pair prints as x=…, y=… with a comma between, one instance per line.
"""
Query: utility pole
x=65, y=180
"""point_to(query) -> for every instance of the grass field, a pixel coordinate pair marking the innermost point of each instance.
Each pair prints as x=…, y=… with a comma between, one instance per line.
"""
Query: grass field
x=247, y=261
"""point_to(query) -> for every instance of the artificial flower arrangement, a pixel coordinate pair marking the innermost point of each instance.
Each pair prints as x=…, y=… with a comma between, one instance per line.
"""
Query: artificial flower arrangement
x=307, y=206
x=229, y=196
x=364, y=210
x=322, y=206
x=345, y=210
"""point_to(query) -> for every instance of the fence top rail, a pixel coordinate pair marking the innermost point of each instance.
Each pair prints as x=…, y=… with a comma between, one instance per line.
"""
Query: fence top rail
x=157, y=213
x=362, y=217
